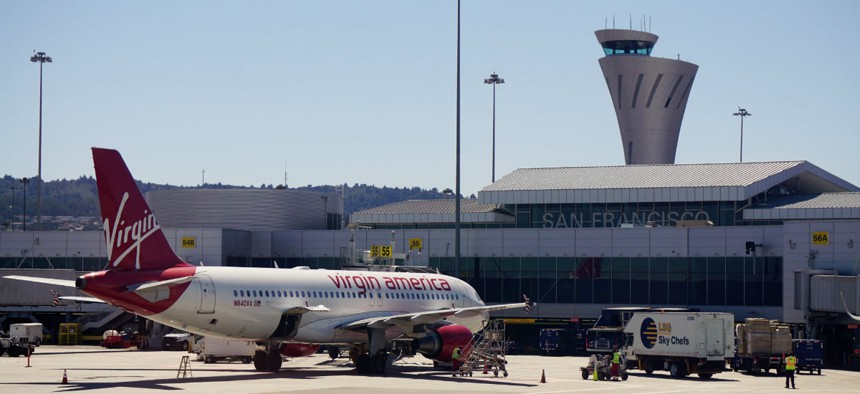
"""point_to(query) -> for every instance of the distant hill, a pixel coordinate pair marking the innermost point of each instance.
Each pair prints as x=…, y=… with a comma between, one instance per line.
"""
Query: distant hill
x=79, y=197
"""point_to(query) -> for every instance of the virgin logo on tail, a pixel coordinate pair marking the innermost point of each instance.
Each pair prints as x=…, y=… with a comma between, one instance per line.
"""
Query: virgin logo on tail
x=129, y=236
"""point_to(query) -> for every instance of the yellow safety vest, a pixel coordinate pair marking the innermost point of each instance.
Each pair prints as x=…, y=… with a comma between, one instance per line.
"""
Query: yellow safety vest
x=616, y=358
x=790, y=363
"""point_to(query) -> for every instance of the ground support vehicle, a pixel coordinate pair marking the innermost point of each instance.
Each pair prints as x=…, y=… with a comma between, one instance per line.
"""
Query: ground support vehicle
x=548, y=340
x=810, y=355
x=113, y=339
x=176, y=341
x=603, y=340
x=761, y=345
x=13, y=347
x=211, y=350
x=27, y=332
x=485, y=351
x=604, y=368
x=682, y=343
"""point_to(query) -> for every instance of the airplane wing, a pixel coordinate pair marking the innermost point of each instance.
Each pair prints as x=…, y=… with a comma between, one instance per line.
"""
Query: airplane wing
x=426, y=317
x=298, y=310
x=50, y=281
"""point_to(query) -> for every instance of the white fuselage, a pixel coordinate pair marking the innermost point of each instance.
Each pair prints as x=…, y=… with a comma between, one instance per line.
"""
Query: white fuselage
x=247, y=303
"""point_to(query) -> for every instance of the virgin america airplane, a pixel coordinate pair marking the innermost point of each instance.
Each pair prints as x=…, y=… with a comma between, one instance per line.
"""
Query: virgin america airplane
x=289, y=312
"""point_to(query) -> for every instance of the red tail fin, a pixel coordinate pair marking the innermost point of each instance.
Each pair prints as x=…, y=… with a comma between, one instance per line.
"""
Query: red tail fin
x=133, y=237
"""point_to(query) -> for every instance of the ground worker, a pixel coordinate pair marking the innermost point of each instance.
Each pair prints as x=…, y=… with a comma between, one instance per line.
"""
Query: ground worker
x=616, y=363
x=790, y=366
x=455, y=360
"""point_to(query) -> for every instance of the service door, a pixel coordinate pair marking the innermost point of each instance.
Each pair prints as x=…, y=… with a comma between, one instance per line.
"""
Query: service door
x=715, y=336
x=207, y=294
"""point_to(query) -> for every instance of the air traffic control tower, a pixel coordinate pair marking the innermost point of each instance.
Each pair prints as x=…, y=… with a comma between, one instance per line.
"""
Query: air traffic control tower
x=649, y=94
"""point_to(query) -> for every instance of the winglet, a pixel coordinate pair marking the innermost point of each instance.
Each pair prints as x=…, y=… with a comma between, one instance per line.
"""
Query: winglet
x=133, y=237
x=529, y=303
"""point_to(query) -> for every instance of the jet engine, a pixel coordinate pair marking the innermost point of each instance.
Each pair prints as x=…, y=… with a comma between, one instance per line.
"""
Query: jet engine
x=299, y=349
x=440, y=342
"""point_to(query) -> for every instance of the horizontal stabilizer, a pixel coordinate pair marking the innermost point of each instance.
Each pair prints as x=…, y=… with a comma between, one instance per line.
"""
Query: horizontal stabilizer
x=81, y=299
x=162, y=283
x=49, y=281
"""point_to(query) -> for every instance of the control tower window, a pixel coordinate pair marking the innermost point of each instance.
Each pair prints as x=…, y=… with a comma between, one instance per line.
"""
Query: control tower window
x=627, y=47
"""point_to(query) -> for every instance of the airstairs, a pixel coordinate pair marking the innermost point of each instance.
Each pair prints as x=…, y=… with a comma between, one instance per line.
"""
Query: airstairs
x=486, y=351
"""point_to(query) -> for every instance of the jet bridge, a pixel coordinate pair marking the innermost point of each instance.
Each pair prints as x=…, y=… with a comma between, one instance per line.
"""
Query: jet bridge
x=827, y=292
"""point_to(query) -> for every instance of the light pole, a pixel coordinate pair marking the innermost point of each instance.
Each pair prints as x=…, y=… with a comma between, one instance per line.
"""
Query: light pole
x=40, y=58
x=494, y=80
x=742, y=113
x=12, y=208
x=457, y=177
x=25, y=181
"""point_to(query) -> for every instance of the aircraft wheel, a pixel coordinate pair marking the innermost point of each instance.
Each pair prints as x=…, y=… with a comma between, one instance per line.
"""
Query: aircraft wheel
x=260, y=360
x=363, y=365
x=333, y=352
x=379, y=363
x=274, y=361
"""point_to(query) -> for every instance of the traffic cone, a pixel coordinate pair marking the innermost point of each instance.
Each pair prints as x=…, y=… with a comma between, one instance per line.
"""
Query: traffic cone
x=65, y=377
x=543, y=376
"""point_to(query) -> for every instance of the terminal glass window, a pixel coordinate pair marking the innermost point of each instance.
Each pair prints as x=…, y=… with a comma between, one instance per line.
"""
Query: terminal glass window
x=585, y=272
x=734, y=281
x=677, y=281
x=717, y=281
x=753, y=281
x=566, y=273
x=698, y=283
x=639, y=278
x=621, y=280
x=529, y=278
x=659, y=284
x=548, y=280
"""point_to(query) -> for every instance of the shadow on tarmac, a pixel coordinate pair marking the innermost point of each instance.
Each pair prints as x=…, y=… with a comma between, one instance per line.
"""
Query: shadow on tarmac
x=416, y=372
x=720, y=377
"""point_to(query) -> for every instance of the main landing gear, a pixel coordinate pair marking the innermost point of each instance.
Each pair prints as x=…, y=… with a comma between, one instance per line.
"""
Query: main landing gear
x=365, y=363
x=268, y=360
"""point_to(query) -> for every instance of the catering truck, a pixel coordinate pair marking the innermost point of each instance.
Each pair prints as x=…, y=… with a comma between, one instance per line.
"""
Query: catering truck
x=27, y=332
x=762, y=344
x=682, y=343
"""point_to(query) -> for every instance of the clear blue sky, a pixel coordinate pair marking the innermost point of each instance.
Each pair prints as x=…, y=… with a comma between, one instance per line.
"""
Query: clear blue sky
x=364, y=91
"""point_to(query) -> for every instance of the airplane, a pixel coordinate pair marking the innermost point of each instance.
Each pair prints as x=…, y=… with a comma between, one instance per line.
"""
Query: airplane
x=288, y=312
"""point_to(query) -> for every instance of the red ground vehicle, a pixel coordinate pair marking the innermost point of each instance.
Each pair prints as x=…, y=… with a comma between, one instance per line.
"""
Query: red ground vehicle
x=112, y=339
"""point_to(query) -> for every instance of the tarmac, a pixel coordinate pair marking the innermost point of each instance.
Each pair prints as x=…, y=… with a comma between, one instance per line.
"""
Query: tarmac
x=92, y=368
